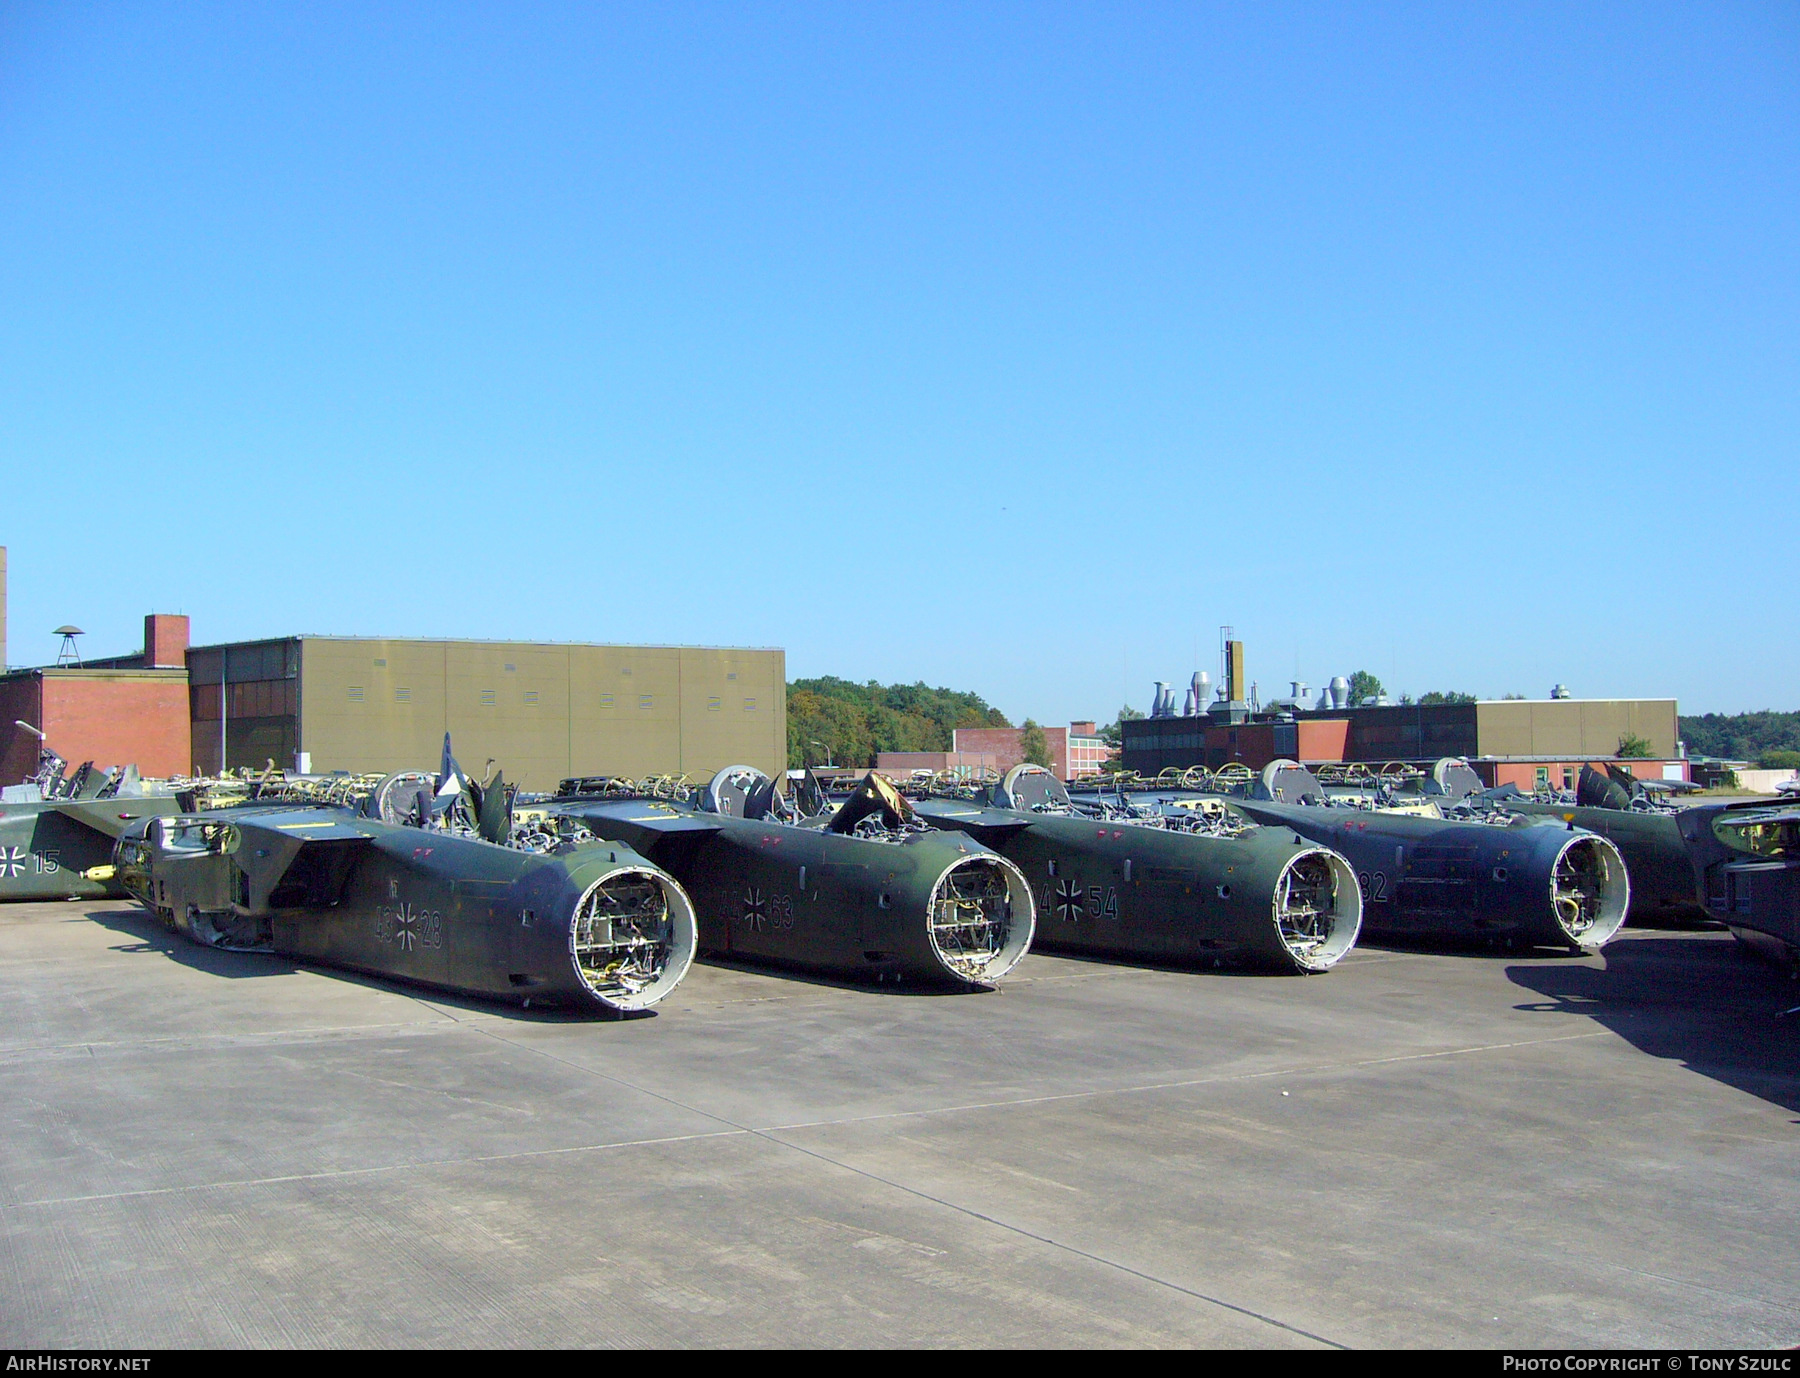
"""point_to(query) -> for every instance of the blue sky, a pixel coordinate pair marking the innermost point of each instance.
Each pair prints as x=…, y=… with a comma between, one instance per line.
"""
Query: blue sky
x=1008, y=347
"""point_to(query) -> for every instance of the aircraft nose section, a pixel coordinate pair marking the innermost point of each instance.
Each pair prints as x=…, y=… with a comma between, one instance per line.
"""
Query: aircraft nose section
x=980, y=918
x=1590, y=890
x=631, y=937
x=1317, y=908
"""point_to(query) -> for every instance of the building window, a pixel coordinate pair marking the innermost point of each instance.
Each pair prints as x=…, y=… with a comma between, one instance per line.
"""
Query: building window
x=606, y=700
x=749, y=705
x=381, y=663
x=356, y=693
x=715, y=704
x=1543, y=776
x=732, y=675
x=531, y=696
x=487, y=696
x=402, y=696
x=644, y=700
x=511, y=668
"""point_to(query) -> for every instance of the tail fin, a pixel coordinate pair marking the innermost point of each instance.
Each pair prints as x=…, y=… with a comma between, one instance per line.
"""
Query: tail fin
x=494, y=813
x=1594, y=790
x=811, y=796
x=450, y=776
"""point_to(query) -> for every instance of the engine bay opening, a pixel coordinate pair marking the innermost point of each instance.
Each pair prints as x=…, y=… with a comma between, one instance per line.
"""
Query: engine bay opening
x=632, y=938
x=1318, y=909
x=981, y=918
x=1589, y=890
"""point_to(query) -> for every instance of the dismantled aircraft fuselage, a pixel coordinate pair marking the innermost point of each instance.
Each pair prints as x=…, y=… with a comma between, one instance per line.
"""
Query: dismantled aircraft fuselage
x=1751, y=872
x=1434, y=877
x=594, y=925
x=1172, y=888
x=62, y=849
x=866, y=891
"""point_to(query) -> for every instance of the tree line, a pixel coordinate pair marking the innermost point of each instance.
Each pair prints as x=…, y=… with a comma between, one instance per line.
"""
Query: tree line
x=837, y=721
x=1770, y=738
x=848, y=723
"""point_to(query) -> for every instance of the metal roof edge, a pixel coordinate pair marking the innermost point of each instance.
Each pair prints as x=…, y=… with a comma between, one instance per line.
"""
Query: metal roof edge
x=475, y=641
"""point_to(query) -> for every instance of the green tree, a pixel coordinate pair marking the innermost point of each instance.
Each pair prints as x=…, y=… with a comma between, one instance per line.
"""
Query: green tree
x=1741, y=736
x=1634, y=747
x=1779, y=758
x=1113, y=734
x=855, y=721
x=1445, y=696
x=1035, y=745
x=1364, y=685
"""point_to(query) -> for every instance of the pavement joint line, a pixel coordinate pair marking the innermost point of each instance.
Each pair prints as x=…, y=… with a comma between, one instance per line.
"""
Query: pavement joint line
x=733, y=1130
x=408, y=1166
x=1077, y=1251
x=1178, y=1085
x=246, y=1039
x=1773, y=1304
x=768, y=1136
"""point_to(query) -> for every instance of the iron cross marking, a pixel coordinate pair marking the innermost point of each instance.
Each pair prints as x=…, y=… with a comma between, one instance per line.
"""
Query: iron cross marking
x=404, y=933
x=756, y=909
x=12, y=861
x=1068, y=900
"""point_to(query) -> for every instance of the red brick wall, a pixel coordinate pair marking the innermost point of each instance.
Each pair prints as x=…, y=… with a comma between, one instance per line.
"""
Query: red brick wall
x=1003, y=744
x=18, y=748
x=1255, y=744
x=165, y=641
x=902, y=763
x=115, y=722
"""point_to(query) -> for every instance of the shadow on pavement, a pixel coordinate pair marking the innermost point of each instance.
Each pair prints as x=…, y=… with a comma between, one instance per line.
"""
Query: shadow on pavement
x=1196, y=965
x=1699, y=999
x=865, y=985
x=1454, y=945
x=152, y=937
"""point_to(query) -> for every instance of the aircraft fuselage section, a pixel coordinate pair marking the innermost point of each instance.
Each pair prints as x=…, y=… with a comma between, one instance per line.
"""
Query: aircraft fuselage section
x=814, y=900
x=1442, y=878
x=1113, y=888
x=46, y=848
x=443, y=910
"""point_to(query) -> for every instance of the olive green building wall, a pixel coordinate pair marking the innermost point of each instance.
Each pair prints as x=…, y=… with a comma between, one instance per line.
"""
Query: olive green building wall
x=541, y=711
x=1574, y=728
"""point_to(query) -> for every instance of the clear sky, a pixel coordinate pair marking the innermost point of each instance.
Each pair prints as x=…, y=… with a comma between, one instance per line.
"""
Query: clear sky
x=1012, y=348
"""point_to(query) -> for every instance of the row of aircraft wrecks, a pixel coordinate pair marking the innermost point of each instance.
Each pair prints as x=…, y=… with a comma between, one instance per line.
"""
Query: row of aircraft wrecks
x=601, y=895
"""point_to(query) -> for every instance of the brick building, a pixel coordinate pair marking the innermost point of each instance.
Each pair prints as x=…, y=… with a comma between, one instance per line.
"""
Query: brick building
x=129, y=710
x=1075, y=750
x=1527, y=742
x=541, y=710
x=900, y=764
